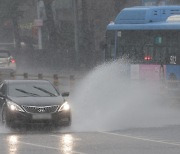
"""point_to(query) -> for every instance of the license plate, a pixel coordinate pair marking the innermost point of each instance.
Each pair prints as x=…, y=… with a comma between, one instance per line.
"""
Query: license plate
x=41, y=116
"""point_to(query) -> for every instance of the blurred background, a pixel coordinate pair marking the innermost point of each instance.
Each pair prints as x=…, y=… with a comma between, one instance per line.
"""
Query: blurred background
x=60, y=34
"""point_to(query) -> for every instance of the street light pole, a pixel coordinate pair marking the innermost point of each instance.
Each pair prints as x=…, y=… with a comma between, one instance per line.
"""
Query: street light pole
x=76, y=38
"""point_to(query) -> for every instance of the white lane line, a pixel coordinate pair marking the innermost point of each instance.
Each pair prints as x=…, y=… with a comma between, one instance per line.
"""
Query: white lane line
x=142, y=139
x=48, y=147
x=38, y=145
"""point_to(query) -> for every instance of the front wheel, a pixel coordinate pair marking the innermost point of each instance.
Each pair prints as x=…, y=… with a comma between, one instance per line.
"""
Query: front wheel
x=4, y=119
x=67, y=124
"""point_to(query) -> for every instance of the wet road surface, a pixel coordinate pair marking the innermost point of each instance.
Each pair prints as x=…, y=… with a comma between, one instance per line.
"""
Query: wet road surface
x=161, y=140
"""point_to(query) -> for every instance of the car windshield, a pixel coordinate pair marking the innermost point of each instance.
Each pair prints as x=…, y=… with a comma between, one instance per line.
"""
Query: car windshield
x=4, y=54
x=31, y=89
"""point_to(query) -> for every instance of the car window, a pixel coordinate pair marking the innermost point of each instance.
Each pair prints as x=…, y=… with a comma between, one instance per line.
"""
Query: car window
x=32, y=89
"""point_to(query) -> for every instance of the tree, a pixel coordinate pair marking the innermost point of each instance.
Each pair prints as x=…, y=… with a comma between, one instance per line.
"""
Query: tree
x=175, y=2
x=10, y=10
x=53, y=37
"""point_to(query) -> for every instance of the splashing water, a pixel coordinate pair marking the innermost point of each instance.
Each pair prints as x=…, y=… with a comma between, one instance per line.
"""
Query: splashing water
x=107, y=100
x=4, y=130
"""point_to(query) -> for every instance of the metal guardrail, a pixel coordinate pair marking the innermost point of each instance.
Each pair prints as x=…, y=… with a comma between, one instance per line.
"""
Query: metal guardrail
x=67, y=82
x=59, y=81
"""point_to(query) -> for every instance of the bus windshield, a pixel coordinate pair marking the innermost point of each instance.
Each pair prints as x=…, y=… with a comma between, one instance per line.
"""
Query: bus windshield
x=144, y=46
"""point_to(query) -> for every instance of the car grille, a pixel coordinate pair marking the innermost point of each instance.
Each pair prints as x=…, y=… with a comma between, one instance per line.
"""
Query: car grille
x=40, y=109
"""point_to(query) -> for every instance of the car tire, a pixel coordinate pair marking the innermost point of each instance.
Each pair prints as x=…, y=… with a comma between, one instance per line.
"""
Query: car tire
x=4, y=119
x=67, y=124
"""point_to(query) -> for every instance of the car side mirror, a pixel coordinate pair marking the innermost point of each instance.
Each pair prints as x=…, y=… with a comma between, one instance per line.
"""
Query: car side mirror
x=65, y=94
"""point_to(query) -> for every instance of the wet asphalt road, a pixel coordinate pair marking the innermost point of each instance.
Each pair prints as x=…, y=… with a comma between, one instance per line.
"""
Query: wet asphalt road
x=162, y=140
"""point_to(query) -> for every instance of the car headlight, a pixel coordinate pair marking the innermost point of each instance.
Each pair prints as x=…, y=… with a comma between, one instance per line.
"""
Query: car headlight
x=13, y=106
x=64, y=107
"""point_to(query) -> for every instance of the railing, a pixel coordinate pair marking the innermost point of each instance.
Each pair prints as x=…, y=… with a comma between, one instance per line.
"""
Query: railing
x=61, y=82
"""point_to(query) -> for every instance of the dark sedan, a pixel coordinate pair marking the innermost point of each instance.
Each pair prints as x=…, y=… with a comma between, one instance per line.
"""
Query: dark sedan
x=32, y=101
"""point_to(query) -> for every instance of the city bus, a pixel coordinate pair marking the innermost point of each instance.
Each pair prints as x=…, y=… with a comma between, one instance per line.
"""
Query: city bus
x=148, y=37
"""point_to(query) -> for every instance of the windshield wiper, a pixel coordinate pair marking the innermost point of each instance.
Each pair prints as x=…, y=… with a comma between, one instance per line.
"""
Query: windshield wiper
x=45, y=91
x=25, y=92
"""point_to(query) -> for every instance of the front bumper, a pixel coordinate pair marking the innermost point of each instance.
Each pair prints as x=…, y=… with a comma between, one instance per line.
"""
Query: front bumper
x=57, y=118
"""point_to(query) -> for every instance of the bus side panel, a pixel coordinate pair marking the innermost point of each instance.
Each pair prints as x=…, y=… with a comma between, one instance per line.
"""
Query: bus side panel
x=173, y=72
x=148, y=72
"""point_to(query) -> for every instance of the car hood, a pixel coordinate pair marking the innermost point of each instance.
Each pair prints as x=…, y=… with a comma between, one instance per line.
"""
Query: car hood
x=38, y=101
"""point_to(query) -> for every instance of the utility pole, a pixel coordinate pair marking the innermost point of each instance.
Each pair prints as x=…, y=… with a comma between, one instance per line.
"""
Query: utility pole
x=76, y=30
x=39, y=26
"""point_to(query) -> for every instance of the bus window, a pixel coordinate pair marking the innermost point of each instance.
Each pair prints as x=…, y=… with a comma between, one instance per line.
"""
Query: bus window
x=159, y=56
x=145, y=46
x=131, y=44
x=148, y=53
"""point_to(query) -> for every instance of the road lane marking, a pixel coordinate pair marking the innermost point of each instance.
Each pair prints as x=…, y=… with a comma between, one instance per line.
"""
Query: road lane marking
x=38, y=145
x=141, y=138
x=48, y=147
